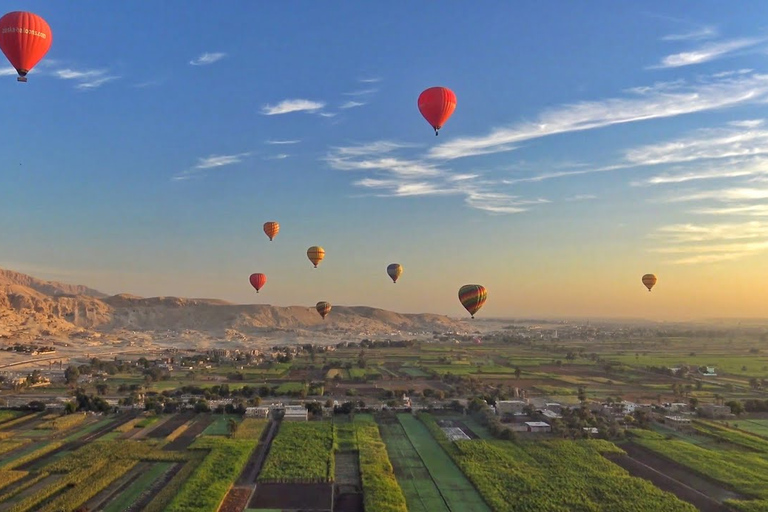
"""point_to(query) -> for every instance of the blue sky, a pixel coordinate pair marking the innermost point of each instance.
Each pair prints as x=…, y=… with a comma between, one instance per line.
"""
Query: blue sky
x=592, y=142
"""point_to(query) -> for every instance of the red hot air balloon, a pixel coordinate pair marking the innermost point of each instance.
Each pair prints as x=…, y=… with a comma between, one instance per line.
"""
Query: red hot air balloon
x=258, y=281
x=25, y=38
x=437, y=104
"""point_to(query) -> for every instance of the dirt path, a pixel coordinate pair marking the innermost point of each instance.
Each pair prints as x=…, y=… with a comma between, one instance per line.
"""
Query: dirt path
x=704, y=494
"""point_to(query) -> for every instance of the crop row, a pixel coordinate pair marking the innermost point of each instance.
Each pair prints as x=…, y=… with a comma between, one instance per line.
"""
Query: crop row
x=113, y=450
x=8, y=424
x=732, y=435
x=22, y=486
x=8, y=477
x=208, y=485
x=301, y=451
x=8, y=415
x=557, y=476
x=8, y=445
x=176, y=433
x=128, y=425
x=32, y=455
x=250, y=428
x=171, y=489
x=62, y=422
x=381, y=491
x=73, y=478
x=88, y=487
x=745, y=472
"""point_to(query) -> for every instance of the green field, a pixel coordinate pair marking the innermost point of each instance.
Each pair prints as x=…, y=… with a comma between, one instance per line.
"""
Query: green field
x=758, y=427
x=141, y=484
x=220, y=426
x=455, y=489
x=421, y=493
x=301, y=451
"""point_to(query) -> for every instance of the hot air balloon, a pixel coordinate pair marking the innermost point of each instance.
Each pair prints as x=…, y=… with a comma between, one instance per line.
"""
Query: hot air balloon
x=394, y=271
x=315, y=254
x=271, y=229
x=25, y=38
x=258, y=281
x=323, y=308
x=437, y=104
x=649, y=280
x=472, y=297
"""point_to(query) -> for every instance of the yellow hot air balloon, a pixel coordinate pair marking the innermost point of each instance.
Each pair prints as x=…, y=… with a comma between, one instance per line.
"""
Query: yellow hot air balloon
x=315, y=254
x=649, y=280
x=323, y=308
x=394, y=271
x=271, y=229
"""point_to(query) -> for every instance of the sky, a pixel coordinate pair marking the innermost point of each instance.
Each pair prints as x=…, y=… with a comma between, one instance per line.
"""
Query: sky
x=593, y=142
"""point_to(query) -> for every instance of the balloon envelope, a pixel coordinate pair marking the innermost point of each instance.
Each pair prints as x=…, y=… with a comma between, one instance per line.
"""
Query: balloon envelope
x=271, y=229
x=315, y=254
x=323, y=308
x=394, y=270
x=472, y=297
x=25, y=38
x=649, y=280
x=258, y=281
x=437, y=104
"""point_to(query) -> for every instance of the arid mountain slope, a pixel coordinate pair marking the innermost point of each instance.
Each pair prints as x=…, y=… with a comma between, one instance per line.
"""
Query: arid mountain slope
x=31, y=307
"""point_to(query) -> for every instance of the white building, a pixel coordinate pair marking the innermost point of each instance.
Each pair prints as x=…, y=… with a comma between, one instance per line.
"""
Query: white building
x=296, y=413
x=538, y=426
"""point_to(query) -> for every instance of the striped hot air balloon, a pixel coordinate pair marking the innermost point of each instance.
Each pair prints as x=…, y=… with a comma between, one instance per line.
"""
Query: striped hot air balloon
x=472, y=297
x=323, y=308
x=649, y=280
x=271, y=229
x=315, y=254
x=258, y=281
x=394, y=270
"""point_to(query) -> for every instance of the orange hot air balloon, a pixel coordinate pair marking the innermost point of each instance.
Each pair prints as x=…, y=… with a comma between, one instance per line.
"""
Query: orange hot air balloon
x=25, y=38
x=472, y=297
x=271, y=229
x=437, y=104
x=323, y=308
x=258, y=281
x=394, y=270
x=649, y=280
x=315, y=254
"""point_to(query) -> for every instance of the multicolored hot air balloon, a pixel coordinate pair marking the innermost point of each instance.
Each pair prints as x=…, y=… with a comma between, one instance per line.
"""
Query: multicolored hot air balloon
x=472, y=297
x=323, y=308
x=271, y=229
x=437, y=104
x=649, y=280
x=25, y=38
x=315, y=254
x=258, y=281
x=394, y=270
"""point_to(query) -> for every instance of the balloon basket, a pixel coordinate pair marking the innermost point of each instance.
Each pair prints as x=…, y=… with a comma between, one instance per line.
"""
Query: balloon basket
x=21, y=79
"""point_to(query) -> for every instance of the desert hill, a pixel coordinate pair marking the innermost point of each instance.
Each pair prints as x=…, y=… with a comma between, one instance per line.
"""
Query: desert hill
x=31, y=307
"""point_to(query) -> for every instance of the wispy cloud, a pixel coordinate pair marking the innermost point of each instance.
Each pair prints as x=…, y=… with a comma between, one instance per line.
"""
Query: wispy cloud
x=581, y=197
x=706, y=53
x=352, y=104
x=294, y=105
x=88, y=79
x=280, y=156
x=361, y=92
x=207, y=58
x=710, y=243
x=696, y=34
x=371, y=80
x=652, y=102
x=210, y=162
x=8, y=72
x=392, y=175
x=282, y=141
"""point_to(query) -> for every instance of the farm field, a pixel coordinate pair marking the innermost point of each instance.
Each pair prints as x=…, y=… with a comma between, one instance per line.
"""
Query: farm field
x=301, y=452
x=553, y=476
x=736, y=460
x=429, y=479
x=757, y=426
